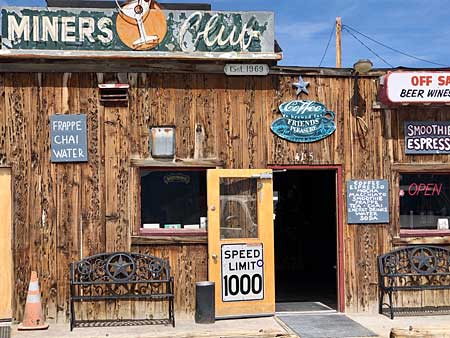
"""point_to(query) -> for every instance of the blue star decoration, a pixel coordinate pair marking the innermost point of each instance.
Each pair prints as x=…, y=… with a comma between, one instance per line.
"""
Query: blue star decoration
x=301, y=86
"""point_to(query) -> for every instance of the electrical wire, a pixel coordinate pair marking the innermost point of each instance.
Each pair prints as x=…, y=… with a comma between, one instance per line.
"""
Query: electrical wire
x=328, y=45
x=372, y=51
x=393, y=49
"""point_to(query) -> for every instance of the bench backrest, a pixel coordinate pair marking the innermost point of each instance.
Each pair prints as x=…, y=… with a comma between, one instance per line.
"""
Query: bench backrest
x=414, y=266
x=119, y=267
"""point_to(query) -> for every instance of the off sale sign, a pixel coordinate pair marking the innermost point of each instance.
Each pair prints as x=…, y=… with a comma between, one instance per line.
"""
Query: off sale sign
x=418, y=87
x=242, y=272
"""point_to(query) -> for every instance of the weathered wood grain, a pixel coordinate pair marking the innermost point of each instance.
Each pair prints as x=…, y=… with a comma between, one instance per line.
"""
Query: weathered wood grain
x=62, y=212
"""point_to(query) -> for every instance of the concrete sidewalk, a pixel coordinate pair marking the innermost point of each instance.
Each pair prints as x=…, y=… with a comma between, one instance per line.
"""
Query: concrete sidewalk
x=382, y=325
x=269, y=327
x=254, y=327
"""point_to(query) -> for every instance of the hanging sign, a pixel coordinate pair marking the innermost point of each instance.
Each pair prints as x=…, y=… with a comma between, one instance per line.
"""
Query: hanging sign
x=417, y=87
x=242, y=272
x=137, y=25
x=424, y=137
x=246, y=69
x=304, y=121
x=68, y=138
x=367, y=201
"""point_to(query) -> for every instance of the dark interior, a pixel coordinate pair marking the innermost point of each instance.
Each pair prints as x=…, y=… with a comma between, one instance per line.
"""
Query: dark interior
x=305, y=236
x=173, y=198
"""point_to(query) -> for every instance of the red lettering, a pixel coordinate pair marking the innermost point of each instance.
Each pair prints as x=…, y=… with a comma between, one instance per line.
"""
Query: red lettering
x=422, y=187
x=443, y=80
x=429, y=189
x=421, y=80
x=426, y=80
x=410, y=191
x=438, y=192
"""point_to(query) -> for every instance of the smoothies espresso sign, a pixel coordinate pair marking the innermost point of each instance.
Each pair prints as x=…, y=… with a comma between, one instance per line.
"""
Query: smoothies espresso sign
x=137, y=25
x=304, y=121
x=426, y=137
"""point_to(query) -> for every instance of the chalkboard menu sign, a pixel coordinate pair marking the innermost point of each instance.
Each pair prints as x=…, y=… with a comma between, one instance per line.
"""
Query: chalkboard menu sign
x=367, y=201
x=426, y=137
x=68, y=138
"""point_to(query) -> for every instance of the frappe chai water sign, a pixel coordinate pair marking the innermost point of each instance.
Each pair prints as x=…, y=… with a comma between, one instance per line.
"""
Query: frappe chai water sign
x=304, y=121
x=68, y=138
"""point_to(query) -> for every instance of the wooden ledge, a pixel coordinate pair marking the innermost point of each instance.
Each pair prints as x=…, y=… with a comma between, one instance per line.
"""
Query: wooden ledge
x=414, y=167
x=169, y=240
x=206, y=163
x=420, y=240
x=120, y=55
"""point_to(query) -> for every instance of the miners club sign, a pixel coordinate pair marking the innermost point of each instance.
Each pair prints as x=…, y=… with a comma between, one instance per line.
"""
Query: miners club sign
x=137, y=25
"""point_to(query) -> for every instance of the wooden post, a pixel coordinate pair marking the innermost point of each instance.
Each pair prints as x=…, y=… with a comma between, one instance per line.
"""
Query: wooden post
x=338, y=42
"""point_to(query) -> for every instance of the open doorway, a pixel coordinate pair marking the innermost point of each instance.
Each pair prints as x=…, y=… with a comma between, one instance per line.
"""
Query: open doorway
x=306, y=240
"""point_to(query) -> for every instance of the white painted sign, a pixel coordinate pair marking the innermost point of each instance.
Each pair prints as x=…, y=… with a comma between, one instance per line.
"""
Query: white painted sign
x=239, y=69
x=418, y=87
x=68, y=135
x=242, y=272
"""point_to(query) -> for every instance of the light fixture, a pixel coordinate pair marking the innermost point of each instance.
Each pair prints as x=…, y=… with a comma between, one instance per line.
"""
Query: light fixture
x=363, y=66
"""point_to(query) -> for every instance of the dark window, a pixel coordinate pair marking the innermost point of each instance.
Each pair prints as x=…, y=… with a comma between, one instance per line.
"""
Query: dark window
x=173, y=199
x=424, y=201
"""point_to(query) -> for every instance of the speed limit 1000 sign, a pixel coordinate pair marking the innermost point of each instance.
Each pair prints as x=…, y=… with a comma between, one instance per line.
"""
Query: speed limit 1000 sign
x=242, y=272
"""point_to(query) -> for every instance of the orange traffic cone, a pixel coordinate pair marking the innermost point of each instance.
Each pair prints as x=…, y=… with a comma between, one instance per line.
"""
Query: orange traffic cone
x=33, y=318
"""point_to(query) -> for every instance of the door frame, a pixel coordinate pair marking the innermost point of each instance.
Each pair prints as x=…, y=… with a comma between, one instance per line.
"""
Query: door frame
x=8, y=171
x=340, y=226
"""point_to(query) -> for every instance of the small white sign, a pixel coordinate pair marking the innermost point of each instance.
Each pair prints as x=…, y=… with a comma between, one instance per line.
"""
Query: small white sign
x=442, y=224
x=418, y=87
x=242, y=272
x=239, y=69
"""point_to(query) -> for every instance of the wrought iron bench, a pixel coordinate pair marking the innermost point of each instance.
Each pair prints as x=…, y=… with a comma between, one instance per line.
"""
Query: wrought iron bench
x=121, y=276
x=412, y=268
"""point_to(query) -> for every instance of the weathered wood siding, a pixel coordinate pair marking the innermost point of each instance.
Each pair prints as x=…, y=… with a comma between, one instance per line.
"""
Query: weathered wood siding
x=63, y=212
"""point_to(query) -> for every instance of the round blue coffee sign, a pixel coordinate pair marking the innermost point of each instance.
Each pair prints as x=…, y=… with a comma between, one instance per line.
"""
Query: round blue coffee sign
x=304, y=121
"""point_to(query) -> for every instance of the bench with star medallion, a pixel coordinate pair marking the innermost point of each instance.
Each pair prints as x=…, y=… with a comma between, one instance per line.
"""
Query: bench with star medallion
x=121, y=276
x=413, y=268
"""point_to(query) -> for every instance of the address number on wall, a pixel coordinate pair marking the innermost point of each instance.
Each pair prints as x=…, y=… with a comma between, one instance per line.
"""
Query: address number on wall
x=242, y=272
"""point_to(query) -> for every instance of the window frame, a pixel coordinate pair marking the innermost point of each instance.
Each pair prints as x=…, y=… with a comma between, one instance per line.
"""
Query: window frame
x=414, y=236
x=139, y=230
x=167, y=236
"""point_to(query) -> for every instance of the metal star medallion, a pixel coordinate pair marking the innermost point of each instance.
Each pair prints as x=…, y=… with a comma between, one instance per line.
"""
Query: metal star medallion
x=121, y=267
x=301, y=86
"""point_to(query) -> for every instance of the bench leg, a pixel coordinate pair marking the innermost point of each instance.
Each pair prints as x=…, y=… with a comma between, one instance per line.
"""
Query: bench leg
x=72, y=314
x=390, y=304
x=173, y=314
x=380, y=301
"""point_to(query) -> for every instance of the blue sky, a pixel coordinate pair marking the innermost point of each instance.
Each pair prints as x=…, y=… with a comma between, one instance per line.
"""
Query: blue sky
x=302, y=28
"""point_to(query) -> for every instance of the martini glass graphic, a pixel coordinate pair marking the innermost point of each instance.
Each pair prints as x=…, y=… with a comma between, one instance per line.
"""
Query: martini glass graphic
x=137, y=10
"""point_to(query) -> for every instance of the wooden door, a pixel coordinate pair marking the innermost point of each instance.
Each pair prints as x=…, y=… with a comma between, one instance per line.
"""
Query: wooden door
x=240, y=241
x=5, y=245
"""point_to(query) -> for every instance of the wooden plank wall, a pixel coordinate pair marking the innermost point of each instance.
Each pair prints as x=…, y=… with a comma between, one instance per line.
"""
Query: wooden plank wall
x=66, y=211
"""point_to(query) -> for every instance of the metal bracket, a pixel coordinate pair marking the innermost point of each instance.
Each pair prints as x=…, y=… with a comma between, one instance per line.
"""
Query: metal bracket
x=263, y=176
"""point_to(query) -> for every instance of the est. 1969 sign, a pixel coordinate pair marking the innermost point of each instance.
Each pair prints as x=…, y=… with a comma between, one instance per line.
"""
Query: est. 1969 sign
x=242, y=272
x=304, y=121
